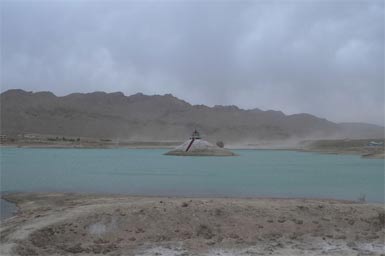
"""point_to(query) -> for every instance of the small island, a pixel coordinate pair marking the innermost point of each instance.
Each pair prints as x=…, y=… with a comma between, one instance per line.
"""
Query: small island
x=196, y=146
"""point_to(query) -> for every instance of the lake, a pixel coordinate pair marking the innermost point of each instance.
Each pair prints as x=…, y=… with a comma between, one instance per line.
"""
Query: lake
x=262, y=173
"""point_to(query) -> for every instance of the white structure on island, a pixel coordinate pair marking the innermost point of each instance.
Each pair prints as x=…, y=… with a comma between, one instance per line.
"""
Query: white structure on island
x=196, y=146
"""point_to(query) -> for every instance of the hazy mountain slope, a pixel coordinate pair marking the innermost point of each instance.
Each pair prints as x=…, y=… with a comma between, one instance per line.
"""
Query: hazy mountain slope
x=113, y=115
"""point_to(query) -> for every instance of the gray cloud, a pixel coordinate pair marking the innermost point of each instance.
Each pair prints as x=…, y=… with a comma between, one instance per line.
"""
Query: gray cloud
x=320, y=57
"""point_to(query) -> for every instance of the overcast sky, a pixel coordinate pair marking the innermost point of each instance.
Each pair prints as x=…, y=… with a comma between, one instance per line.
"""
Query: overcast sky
x=322, y=57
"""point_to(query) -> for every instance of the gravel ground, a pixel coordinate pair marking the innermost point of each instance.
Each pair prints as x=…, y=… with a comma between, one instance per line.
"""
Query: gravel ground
x=77, y=224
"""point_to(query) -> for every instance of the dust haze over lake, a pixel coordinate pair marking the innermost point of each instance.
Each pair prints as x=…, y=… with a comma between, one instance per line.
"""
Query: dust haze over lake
x=94, y=95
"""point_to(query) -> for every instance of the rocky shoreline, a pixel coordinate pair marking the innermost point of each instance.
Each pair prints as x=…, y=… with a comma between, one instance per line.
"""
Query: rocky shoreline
x=78, y=224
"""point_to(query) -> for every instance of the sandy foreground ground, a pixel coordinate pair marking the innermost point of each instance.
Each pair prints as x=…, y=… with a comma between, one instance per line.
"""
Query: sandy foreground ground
x=76, y=224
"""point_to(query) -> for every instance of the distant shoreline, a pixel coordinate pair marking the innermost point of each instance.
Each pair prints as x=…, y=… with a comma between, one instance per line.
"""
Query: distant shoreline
x=378, y=153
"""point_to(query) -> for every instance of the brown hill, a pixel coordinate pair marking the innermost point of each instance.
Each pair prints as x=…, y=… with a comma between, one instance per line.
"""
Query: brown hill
x=156, y=118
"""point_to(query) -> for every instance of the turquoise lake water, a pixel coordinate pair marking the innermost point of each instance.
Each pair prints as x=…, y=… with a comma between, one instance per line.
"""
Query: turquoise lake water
x=269, y=173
